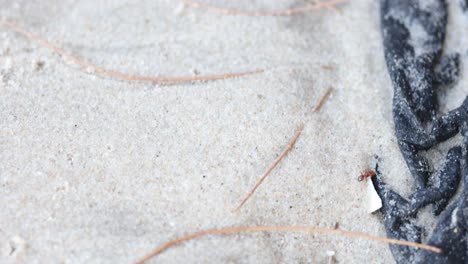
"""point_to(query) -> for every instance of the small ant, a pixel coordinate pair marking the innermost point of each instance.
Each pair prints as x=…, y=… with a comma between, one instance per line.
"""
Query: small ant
x=366, y=174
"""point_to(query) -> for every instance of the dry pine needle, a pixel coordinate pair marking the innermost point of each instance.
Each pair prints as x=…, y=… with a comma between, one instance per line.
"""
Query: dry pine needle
x=287, y=12
x=250, y=229
x=273, y=166
x=115, y=74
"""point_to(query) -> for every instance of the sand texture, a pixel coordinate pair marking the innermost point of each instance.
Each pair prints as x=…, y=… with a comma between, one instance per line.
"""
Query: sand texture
x=98, y=170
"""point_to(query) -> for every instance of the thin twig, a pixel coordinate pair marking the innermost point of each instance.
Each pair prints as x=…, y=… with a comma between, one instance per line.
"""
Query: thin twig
x=248, y=229
x=287, y=12
x=270, y=169
x=322, y=99
x=115, y=74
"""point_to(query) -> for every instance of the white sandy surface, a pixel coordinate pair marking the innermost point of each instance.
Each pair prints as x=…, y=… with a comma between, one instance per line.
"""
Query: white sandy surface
x=97, y=170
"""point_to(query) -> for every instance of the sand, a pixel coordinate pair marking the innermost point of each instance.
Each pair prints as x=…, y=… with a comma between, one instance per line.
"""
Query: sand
x=99, y=170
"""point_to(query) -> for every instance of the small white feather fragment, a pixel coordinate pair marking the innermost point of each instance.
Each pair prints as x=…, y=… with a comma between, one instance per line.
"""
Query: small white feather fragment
x=331, y=256
x=374, y=202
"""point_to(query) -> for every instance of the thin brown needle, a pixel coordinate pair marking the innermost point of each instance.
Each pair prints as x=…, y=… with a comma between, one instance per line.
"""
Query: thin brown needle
x=322, y=99
x=331, y=7
x=287, y=12
x=270, y=169
x=115, y=74
x=327, y=67
x=249, y=229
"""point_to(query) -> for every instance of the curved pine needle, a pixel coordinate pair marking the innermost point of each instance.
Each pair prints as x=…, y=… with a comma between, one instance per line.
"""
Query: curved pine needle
x=115, y=74
x=250, y=229
x=287, y=12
